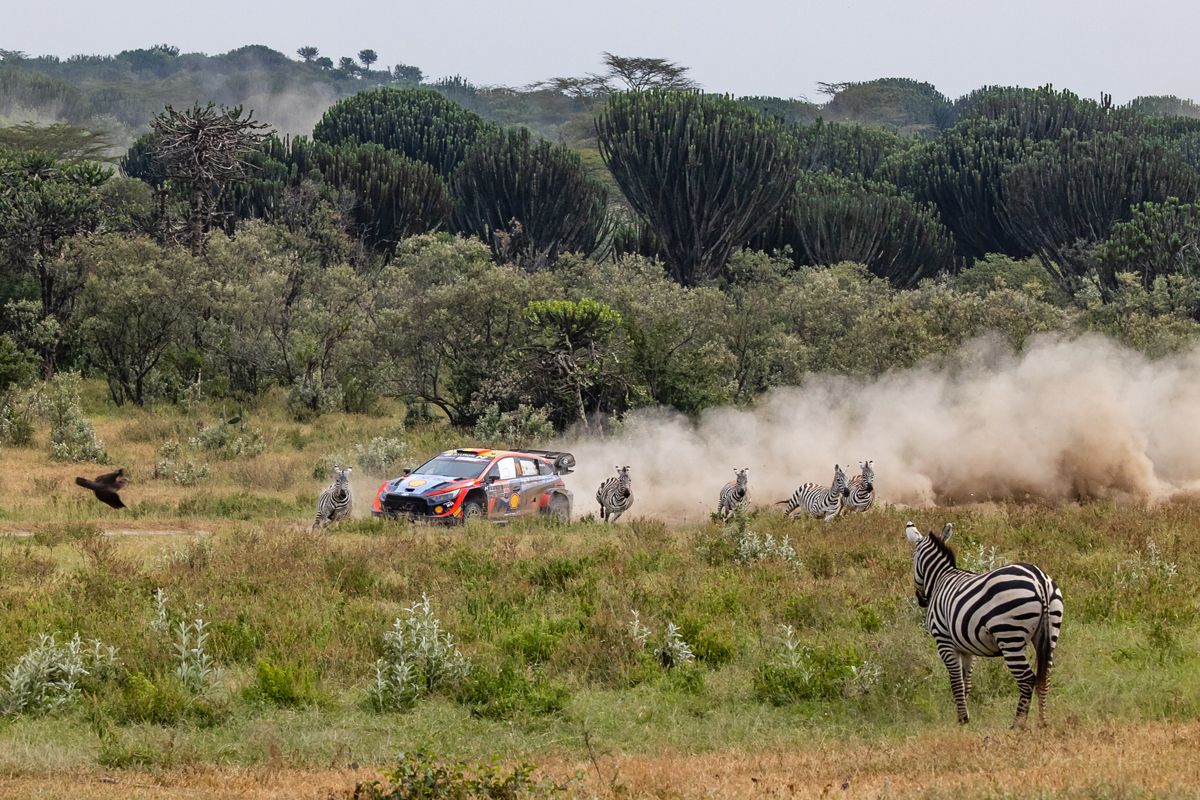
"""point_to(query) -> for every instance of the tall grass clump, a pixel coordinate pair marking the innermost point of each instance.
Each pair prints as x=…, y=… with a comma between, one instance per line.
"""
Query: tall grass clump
x=72, y=437
x=419, y=658
x=52, y=674
x=798, y=671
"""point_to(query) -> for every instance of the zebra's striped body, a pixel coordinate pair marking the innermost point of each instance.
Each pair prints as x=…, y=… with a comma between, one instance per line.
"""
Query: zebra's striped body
x=991, y=614
x=734, y=495
x=818, y=500
x=615, y=495
x=335, y=502
x=862, y=488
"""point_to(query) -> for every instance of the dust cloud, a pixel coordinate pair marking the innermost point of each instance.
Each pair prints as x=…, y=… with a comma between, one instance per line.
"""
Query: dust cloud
x=1063, y=420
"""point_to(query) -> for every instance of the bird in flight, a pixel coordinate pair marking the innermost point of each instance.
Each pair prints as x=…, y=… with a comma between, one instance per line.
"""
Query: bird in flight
x=106, y=487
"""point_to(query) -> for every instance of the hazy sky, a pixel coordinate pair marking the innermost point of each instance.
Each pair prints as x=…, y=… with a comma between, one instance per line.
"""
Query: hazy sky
x=745, y=47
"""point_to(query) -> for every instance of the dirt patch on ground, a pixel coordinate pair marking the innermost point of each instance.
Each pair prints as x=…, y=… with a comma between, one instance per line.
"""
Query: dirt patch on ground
x=1064, y=760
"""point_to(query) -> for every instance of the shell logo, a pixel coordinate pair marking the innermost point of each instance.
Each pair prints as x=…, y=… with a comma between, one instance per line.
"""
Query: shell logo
x=514, y=501
x=417, y=483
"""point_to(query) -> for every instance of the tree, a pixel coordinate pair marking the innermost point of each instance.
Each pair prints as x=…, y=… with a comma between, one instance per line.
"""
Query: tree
x=1072, y=191
x=406, y=73
x=347, y=65
x=847, y=149
x=897, y=103
x=641, y=74
x=43, y=204
x=530, y=200
x=704, y=172
x=418, y=123
x=1158, y=240
x=367, y=57
x=61, y=141
x=324, y=62
x=831, y=219
x=138, y=301
x=308, y=53
x=203, y=150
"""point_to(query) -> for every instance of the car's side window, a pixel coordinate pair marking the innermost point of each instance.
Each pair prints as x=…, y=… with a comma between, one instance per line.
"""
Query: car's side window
x=508, y=468
x=544, y=468
x=528, y=467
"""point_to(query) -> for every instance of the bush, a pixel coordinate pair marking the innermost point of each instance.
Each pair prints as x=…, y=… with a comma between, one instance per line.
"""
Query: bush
x=382, y=454
x=422, y=776
x=801, y=672
x=72, y=437
x=511, y=691
x=176, y=465
x=230, y=440
x=163, y=700
x=280, y=686
x=51, y=675
x=419, y=658
x=521, y=427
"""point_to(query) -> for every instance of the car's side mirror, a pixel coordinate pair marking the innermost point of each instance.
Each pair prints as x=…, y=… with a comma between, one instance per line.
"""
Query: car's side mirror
x=490, y=479
x=408, y=470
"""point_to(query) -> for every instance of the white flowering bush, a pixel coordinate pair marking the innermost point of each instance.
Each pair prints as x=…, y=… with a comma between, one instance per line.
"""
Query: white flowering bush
x=50, y=674
x=419, y=658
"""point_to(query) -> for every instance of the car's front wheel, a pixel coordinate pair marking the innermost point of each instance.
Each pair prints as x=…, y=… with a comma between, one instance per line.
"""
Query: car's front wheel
x=472, y=509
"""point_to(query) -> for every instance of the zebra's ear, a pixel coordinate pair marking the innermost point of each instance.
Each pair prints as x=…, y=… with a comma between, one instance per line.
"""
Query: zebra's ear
x=947, y=531
x=913, y=534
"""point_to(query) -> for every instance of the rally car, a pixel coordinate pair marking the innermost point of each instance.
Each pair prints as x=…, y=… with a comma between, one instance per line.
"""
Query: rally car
x=471, y=483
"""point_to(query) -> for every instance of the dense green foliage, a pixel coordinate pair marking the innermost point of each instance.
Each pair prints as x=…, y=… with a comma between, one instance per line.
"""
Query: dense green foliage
x=703, y=172
x=417, y=123
x=530, y=200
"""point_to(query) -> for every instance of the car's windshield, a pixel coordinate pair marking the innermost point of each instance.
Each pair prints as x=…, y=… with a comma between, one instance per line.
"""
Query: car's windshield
x=453, y=466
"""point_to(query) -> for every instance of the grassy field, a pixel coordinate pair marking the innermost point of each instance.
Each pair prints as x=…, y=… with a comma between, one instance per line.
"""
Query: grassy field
x=859, y=705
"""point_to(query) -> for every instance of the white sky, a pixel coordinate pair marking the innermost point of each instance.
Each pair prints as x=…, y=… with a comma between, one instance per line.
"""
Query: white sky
x=746, y=47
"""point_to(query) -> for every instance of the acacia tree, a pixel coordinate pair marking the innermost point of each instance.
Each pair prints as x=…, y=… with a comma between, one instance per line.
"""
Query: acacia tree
x=367, y=57
x=308, y=53
x=203, y=150
x=705, y=172
x=641, y=74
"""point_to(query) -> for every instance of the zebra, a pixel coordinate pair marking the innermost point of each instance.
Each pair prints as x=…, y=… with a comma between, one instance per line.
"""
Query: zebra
x=817, y=500
x=615, y=495
x=994, y=613
x=734, y=495
x=335, y=502
x=862, y=488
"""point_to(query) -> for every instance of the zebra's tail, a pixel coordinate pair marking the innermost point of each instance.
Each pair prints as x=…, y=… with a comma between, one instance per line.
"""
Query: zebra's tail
x=1043, y=646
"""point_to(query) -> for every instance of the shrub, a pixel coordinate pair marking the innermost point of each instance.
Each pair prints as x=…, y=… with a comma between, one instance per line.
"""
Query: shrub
x=196, y=668
x=422, y=776
x=419, y=658
x=175, y=464
x=671, y=651
x=382, y=454
x=280, y=686
x=521, y=427
x=511, y=691
x=72, y=437
x=52, y=674
x=801, y=672
x=163, y=700
x=230, y=440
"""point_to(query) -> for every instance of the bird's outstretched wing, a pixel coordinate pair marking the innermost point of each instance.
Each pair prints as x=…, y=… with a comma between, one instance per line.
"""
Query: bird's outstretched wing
x=105, y=492
x=111, y=478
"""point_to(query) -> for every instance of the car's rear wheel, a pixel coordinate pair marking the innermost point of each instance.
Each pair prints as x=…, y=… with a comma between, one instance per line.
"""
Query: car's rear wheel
x=560, y=509
x=472, y=509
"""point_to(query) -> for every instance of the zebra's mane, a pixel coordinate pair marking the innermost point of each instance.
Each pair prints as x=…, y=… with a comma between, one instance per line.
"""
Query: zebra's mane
x=943, y=548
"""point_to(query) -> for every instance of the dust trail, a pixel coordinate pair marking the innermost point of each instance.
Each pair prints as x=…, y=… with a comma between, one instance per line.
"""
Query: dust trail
x=1066, y=419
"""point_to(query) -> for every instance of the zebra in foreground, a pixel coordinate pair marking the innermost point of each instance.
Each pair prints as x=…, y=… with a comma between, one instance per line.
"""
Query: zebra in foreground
x=335, y=503
x=995, y=613
x=862, y=488
x=734, y=495
x=615, y=495
x=818, y=500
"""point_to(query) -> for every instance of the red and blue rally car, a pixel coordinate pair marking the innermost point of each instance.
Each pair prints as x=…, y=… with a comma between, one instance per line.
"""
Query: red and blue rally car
x=472, y=483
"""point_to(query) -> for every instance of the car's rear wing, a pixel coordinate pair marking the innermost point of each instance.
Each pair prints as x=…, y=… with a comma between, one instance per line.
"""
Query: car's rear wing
x=563, y=462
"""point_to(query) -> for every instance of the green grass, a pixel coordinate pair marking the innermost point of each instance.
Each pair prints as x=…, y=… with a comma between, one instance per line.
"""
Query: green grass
x=296, y=620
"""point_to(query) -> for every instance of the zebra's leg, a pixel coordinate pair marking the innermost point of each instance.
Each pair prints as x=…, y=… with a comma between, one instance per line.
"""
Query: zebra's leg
x=968, y=664
x=954, y=666
x=1043, y=689
x=1018, y=664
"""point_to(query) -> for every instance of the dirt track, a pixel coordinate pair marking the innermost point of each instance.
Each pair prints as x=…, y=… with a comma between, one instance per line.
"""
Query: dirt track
x=1118, y=761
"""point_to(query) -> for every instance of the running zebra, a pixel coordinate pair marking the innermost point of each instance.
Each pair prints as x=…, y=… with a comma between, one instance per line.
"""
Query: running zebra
x=995, y=613
x=335, y=502
x=615, y=495
x=734, y=495
x=862, y=488
x=817, y=500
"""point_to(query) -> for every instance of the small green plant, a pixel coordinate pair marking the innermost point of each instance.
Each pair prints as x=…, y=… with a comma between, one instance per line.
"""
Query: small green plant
x=72, y=437
x=51, y=674
x=420, y=775
x=280, y=686
x=195, y=668
x=161, y=700
x=671, y=651
x=175, y=464
x=983, y=559
x=802, y=672
x=1146, y=568
x=419, y=658
x=511, y=691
